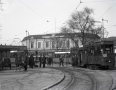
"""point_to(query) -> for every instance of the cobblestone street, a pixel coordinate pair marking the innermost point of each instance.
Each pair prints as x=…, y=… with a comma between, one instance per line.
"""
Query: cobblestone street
x=33, y=79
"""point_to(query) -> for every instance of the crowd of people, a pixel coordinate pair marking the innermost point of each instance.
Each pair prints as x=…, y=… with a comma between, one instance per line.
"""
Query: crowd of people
x=24, y=60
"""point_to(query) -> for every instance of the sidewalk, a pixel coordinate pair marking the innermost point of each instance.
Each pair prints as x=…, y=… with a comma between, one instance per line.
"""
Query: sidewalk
x=33, y=79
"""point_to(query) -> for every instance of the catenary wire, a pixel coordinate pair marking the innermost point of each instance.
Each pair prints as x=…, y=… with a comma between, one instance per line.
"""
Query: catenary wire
x=107, y=11
x=33, y=10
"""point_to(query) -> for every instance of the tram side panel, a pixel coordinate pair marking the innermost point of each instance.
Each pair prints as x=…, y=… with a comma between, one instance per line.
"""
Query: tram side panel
x=88, y=60
x=83, y=60
x=109, y=60
x=95, y=60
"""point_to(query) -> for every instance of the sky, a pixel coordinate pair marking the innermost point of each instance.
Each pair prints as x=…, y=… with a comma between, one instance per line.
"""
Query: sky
x=48, y=16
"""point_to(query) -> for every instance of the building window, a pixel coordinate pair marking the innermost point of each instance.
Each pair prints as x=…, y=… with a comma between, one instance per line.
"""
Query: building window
x=39, y=44
x=47, y=44
x=32, y=44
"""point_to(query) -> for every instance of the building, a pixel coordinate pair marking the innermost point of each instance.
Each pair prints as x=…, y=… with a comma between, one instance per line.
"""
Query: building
x=50, y=43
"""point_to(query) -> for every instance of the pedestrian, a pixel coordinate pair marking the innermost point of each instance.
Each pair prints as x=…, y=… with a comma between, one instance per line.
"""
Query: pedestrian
x=25, y=62
x=61, y=61
x=16, y=61
x=32, y=63
x=76, y=60
x=29, y=61
x=40, y=61
x=47, y=60
x=44, y=61
x=72, y=60
x=51, y=61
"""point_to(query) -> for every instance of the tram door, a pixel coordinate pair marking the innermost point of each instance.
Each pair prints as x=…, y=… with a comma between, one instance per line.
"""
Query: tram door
x=115, y=61
x=80, y=57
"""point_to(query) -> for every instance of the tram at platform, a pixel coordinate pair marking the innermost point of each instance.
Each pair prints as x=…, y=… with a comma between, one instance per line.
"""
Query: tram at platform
x=8, y=53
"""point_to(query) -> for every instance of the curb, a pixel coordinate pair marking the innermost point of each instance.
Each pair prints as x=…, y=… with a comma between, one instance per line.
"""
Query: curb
x=50, y=86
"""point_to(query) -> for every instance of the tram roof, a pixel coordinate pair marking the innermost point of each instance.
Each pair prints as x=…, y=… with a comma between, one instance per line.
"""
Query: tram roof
x=9, y=47
x=100, y=42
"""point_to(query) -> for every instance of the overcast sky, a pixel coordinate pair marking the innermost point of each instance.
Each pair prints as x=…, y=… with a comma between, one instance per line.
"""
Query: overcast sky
x=42, y=16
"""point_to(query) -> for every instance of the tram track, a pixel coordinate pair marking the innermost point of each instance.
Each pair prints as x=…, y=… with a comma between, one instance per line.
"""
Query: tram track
x=96, y=83
x=112, y=82
x=71, y=83
x=64, y=83
x=110, y=88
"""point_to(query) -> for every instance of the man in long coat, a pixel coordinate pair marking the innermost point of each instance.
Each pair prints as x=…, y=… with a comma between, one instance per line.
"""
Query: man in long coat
x=31, y=61
x=26, y=62
x=40, y=61
x=44, y=61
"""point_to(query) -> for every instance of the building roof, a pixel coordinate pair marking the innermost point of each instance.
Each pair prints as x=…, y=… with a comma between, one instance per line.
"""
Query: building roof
x=112, y=39
x=41, y=36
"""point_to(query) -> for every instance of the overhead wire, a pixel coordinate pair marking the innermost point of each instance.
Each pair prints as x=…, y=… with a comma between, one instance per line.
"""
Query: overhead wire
x=68, y=17
x=43, y=17
x=74, y=10
x=107, y=11
x=103, y=1
x=99, y=1
x=33, y=10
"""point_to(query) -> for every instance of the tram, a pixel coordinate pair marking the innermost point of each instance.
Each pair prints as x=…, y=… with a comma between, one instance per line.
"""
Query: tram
x=7, y=57
x=96, y=54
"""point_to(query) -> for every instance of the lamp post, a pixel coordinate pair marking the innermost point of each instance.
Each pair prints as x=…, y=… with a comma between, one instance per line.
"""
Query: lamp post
x=26, y=37
x=103, y=26
x=27, y=34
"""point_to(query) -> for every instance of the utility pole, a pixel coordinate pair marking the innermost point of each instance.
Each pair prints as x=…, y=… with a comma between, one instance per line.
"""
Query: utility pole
x=26, y=37
x=103, y=25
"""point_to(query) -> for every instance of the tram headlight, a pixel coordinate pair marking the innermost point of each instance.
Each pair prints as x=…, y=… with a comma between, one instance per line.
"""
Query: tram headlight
x=108, y=61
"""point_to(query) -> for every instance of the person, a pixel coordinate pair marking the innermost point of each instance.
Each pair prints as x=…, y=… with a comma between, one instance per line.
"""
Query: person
x=47, y=60
x=72, y=59
x=51, y=60
x=40, y=61
x=16, y=61
x=61, y=61
x=76, y=60
x=25, y=62
x=44, y=61
x=31, y=61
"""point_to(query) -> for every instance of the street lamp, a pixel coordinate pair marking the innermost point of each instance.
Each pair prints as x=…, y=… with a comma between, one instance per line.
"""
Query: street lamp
x=103, y=26
x=27, y=34
x=26, y=37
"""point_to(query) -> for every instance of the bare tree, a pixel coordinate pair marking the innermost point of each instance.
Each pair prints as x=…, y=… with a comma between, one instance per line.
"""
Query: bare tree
x=58, y=41
x=81, y=22
x=69, y=34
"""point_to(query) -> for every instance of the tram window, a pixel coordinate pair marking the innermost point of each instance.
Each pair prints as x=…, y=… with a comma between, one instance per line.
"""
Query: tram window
x=97, y=51
x=108, y=49
x=85, y=52
x=92, y=52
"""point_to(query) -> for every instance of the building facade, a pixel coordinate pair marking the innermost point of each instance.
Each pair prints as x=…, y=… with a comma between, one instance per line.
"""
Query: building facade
x=49, y=43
